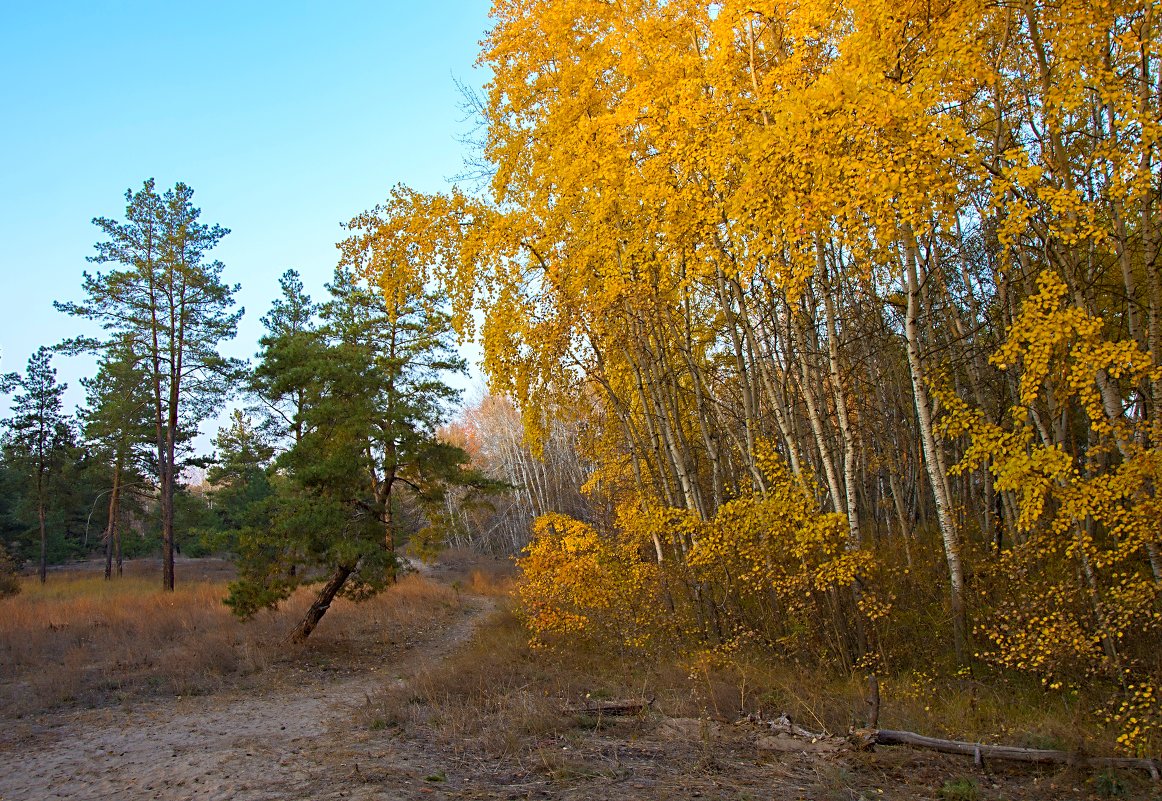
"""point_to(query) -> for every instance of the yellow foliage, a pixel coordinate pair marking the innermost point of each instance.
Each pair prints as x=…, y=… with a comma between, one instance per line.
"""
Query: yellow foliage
x=1139, y=718
x=671, y=179
x=1080, y=597
x=775, y=552
x=577, y=584
x=760, y=551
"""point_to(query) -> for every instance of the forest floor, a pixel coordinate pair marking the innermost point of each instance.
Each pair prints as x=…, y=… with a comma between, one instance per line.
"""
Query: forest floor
x=454, y=708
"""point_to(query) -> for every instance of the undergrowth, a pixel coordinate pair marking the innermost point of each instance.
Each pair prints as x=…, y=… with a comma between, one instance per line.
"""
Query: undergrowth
x=499, y=690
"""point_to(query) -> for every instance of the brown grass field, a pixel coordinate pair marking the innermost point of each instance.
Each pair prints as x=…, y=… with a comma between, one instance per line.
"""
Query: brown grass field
x=81, y=640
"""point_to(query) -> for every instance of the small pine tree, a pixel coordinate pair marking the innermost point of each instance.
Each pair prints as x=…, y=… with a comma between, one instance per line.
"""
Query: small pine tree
x=37, y=435
x=117, y=429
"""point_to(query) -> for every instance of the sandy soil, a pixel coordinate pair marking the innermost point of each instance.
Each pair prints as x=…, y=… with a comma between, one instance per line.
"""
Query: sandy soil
x=288, y=739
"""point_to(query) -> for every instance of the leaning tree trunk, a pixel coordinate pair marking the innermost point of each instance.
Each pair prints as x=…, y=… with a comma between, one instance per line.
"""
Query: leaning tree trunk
x=933, y=461
x=322, y=603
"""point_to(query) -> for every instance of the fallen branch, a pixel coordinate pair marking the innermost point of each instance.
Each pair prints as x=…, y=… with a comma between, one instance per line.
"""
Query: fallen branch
x=863, y=739
x=784, y=725
x=632, y=706
x=979, y=752
x=788, y=736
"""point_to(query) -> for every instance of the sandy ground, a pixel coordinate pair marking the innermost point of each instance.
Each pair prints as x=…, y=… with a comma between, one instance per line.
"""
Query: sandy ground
x=291, y=739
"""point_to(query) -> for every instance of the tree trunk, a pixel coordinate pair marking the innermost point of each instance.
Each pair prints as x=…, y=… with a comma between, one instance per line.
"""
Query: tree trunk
x=389, y=530
x=111, y=525
x=322, y=603
x=808, y=394
x=43, y=542
x=108, y=540
x=168, y=482
x=167, y=566
x=901, y=516
x=933, y=461
x=980, y=752
x=749, y=411
x=855, y=537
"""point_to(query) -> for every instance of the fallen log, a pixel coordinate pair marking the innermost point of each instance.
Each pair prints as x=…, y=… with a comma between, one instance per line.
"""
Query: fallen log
x=979, y=752
x=627, y=707
x=789, y=743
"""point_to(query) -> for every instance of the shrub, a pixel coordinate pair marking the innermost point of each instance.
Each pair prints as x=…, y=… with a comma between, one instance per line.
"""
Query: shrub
x=9, y=583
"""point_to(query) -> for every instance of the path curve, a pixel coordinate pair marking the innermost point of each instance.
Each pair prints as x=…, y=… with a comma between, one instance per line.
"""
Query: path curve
x=243, y=745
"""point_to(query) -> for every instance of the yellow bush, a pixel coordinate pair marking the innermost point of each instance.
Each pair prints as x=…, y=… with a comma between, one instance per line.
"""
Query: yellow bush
x=1079, y=599
x=576, y=583
x=767, y=569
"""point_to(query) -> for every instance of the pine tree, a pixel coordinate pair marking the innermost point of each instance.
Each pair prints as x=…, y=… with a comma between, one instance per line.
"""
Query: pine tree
x=276, y=382
x=38, y=435
x=370, y=397
x=118, y=428
x=171, y=304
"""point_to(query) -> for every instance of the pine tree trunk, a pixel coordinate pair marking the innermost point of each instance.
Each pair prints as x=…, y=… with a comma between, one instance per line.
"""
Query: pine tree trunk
x=389, y=534
x=43, y=543
x=117, y=549
x=167, y=566
x=322, y=603
x=111, y=525
x=167, y=489
x=108, y=539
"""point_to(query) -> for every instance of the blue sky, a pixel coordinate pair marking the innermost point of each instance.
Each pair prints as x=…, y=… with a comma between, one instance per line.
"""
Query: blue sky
x=286, y=118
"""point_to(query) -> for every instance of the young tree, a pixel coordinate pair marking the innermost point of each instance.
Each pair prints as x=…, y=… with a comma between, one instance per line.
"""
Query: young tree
x=242, y=451
x=400, y=348
x=37, y=434
x=278, y=382
x=171, y=304
x=118, y=427
x=240, y=486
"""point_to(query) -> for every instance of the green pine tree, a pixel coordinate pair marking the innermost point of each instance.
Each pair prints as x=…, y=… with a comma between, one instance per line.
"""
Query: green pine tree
x=164, y=297
x=370, y=393
x=37, y=440
x=118, y=429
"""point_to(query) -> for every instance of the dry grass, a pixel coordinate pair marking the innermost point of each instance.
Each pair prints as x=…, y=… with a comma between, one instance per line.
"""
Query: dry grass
x=1009, y=710
x=476, y=574
x=495, y=694
x=495, y=710
x=490, y=582
x=407, y=614
x=500, y=703
x=81, y=639
x=498, y=695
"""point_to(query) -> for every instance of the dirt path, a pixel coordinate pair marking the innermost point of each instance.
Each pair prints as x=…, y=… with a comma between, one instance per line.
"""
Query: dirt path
x=294, y=739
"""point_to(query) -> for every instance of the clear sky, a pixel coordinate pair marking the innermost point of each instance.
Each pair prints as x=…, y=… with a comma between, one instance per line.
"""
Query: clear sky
x=286, y=118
